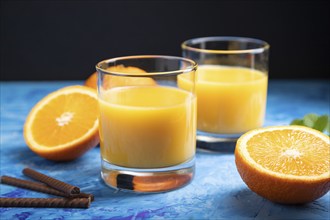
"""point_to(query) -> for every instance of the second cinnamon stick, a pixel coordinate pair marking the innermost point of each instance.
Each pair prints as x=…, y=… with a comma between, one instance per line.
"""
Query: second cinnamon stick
x=40, y=187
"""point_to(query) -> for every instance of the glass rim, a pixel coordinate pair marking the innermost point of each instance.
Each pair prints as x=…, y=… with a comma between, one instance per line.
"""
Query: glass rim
x=192, y=67
x=263, y=45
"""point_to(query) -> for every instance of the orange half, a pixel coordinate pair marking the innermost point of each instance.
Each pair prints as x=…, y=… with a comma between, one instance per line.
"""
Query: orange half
x=285, y=164
x=64, y=124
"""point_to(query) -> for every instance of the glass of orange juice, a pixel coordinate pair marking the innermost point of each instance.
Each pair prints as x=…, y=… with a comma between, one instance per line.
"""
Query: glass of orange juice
x=231, y=87
x=147, y=122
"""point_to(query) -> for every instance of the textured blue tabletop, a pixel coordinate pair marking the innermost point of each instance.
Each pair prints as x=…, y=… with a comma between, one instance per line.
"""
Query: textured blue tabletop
x=217, y=192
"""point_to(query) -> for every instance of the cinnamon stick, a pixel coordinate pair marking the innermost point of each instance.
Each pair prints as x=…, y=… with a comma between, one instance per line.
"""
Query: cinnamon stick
x=45, y=202
x=40, y=187
x=52, y=182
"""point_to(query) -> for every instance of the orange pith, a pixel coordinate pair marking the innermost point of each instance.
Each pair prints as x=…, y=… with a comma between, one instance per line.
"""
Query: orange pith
x=285, y=164
x=64, y=124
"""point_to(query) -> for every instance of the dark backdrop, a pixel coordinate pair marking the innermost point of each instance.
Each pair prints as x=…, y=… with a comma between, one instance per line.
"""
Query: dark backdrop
x=63, y=40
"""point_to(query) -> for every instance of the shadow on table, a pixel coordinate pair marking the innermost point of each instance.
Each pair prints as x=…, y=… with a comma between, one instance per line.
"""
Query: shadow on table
x=245, y=203
x=28, y=158
x=216, y=147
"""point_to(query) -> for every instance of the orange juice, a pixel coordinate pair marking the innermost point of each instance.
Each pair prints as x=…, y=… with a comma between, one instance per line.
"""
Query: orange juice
x=230, y=100
x=147, y=126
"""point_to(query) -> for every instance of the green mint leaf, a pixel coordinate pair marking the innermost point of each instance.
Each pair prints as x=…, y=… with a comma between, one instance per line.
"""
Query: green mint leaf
x=310, y=119
x=297, y=122
x=321, y=123
x=327, y=127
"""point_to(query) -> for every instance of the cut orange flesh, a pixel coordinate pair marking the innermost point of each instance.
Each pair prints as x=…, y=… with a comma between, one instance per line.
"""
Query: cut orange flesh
x=286, y=164
x=64, y=124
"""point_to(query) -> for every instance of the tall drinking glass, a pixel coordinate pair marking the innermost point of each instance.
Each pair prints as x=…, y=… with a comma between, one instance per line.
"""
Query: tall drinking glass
x=147, y=122
x=231, y=88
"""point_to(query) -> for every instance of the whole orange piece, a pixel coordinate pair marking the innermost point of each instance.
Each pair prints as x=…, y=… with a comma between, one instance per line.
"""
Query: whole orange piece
x=113, y=81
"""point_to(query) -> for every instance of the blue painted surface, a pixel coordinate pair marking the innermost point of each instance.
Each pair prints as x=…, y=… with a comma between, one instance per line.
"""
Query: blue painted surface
x=217, y=192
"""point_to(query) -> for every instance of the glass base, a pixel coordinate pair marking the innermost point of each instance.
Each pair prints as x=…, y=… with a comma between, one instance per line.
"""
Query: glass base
x=217, y=142
x=148, y=180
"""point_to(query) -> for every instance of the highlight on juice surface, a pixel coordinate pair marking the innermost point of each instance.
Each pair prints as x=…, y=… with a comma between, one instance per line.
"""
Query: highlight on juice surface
x=231, y=84
x=147, y=122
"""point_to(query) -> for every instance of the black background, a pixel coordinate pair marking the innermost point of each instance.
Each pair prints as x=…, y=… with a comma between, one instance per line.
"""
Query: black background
x=63, y=40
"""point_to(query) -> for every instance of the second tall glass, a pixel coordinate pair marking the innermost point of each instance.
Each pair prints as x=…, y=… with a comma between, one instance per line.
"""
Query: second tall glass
x=231, y=87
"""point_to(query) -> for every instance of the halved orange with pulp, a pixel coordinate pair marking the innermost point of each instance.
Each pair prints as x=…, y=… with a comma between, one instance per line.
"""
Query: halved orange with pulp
x=64, y=124
x=285, y=164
